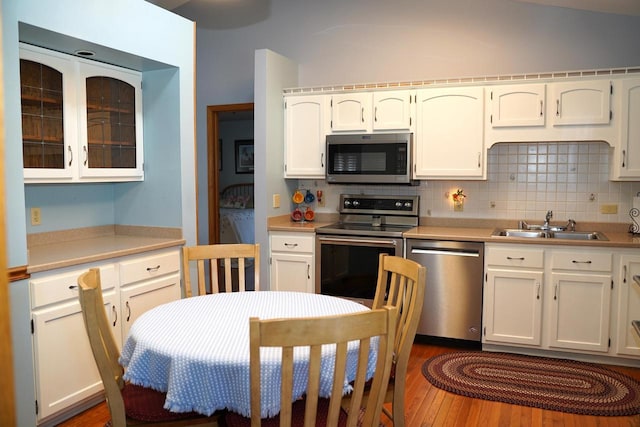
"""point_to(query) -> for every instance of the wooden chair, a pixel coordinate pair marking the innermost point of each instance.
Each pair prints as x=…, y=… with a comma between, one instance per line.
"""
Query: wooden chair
x=129, y=405
x=314, y=332
x=228, y=256
x=401, y=284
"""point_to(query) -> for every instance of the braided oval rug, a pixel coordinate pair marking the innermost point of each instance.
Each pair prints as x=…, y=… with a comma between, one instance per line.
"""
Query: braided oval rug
x=555, y=384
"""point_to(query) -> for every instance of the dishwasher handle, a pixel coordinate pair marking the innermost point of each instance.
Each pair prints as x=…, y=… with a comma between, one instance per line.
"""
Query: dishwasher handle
x=445, y=251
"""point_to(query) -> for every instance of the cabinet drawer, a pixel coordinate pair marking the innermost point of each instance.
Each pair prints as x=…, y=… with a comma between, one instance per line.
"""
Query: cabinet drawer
x=515, y=257
x=581, y=261
x=292, y=243
x=62, y=287
x=149, y=267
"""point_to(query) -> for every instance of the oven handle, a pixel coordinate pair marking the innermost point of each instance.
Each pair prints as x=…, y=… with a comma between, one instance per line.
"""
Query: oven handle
x=367, y=241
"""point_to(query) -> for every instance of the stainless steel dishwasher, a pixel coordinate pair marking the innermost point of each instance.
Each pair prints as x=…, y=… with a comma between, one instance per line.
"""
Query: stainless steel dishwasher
x=453, y=295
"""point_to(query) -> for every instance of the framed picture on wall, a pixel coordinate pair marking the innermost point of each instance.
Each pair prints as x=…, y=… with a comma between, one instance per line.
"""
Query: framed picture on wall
x=244, y=155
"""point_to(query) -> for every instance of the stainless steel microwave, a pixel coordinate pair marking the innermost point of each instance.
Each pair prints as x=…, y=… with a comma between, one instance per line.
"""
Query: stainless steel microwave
x=369, y=158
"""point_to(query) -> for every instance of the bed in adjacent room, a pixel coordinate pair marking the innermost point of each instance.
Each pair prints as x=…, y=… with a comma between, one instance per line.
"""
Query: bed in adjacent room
x=237, y=214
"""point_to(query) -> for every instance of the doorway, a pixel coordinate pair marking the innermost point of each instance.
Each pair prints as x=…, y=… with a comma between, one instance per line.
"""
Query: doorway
x=217, y=116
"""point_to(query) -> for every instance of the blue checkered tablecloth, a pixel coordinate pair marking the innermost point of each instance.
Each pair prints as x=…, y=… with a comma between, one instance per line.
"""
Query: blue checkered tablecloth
x=197, y=350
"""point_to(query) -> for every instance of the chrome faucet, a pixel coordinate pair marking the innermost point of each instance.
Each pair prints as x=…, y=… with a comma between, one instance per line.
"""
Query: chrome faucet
x=571, y=225
x=547, y=218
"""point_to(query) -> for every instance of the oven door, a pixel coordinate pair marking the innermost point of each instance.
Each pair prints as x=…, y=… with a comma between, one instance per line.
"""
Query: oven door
x=347, y=266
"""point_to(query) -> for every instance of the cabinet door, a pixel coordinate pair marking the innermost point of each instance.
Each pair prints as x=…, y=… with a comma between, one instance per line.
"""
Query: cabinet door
x=304, y=139
x=292, y=272
x=518, y=105
x=142, y=296
x=110, y=106
x=580, y=309
x=581, y=103
x=444, y=149
x=65, y=370
x=628, y=342
x=626, y=156
x=513, y=307
x=351, y=112
x=392, y=110
x=48, y=122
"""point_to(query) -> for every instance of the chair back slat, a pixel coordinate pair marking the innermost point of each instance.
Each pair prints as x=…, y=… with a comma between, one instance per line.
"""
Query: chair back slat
x=216, y=263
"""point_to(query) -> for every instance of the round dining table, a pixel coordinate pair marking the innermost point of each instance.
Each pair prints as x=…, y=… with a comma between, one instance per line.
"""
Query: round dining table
x=197, y=350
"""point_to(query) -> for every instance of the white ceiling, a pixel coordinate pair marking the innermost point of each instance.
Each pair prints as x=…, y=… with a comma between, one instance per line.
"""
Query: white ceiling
x=621, y=7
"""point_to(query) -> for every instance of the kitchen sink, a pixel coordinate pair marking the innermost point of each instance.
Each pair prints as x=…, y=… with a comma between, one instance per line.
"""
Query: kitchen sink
x=543, y=234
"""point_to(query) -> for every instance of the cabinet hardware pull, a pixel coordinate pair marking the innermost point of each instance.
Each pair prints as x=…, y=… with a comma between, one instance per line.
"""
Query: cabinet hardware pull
x=375, y=114
x=510, y=258
x=558, y=107
x=86, y=155
x=362, y=115
x=537, y=290
x=73, y=287
x=128, y=311
x=541, y=108
x=581, y=262
x=291, y=245
x=624, y=158
x=115, y=313
x=322, y=160
x=555, y=291
x=153, y=269
x=479, y=157
x=624, y=274
x=308, y=271
x=70, y=154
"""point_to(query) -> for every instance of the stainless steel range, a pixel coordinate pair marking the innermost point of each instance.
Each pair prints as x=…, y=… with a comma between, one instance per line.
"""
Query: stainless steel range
x=347, y=252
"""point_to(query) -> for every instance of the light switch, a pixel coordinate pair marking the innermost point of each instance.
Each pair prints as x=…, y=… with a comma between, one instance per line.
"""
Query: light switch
x=276, y=200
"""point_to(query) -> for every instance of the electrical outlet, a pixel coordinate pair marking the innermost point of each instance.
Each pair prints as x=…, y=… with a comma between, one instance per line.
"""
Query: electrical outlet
x=608, y=209
x=276, y=200
x=36, y=216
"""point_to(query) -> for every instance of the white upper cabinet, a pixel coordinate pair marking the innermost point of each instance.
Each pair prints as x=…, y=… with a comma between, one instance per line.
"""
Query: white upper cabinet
x=392, y=110
x=449, y=141
x=371, y=111
x=351, y=112
x=625, y=159
x=81, y=120
x=553, y=111
x=581, y=103
x=305, y=129
x=517, y=105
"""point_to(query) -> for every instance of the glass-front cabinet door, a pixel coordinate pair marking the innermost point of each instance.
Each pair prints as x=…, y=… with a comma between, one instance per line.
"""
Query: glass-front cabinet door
x=81, y=120
x=48, y=136
x=111, y=122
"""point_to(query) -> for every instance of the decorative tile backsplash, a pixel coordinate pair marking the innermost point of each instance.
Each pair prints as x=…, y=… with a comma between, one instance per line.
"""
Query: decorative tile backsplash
x=524, y=181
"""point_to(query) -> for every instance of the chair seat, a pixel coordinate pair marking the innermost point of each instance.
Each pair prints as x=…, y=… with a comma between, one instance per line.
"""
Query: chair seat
x=297, y=418
x=146, y=404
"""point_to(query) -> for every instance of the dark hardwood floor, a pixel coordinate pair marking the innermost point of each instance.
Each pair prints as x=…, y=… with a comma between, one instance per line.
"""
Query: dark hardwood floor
x=427, y=405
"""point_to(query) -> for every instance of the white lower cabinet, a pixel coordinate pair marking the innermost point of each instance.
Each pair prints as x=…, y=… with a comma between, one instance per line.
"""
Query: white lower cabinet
x=292, y=261
x=543, y=297
x=65, y=371
x=628, y=305
x=580, y=299
x=512, y=301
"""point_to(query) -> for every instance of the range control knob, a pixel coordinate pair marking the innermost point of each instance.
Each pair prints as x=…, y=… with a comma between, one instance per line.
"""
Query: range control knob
x=407, y=204
x=356, y=203
x=398, y=204
x=347, y=203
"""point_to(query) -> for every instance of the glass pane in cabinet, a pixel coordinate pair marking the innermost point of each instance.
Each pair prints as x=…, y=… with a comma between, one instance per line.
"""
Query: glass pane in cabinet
x=111, y=126
x=42, y=116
